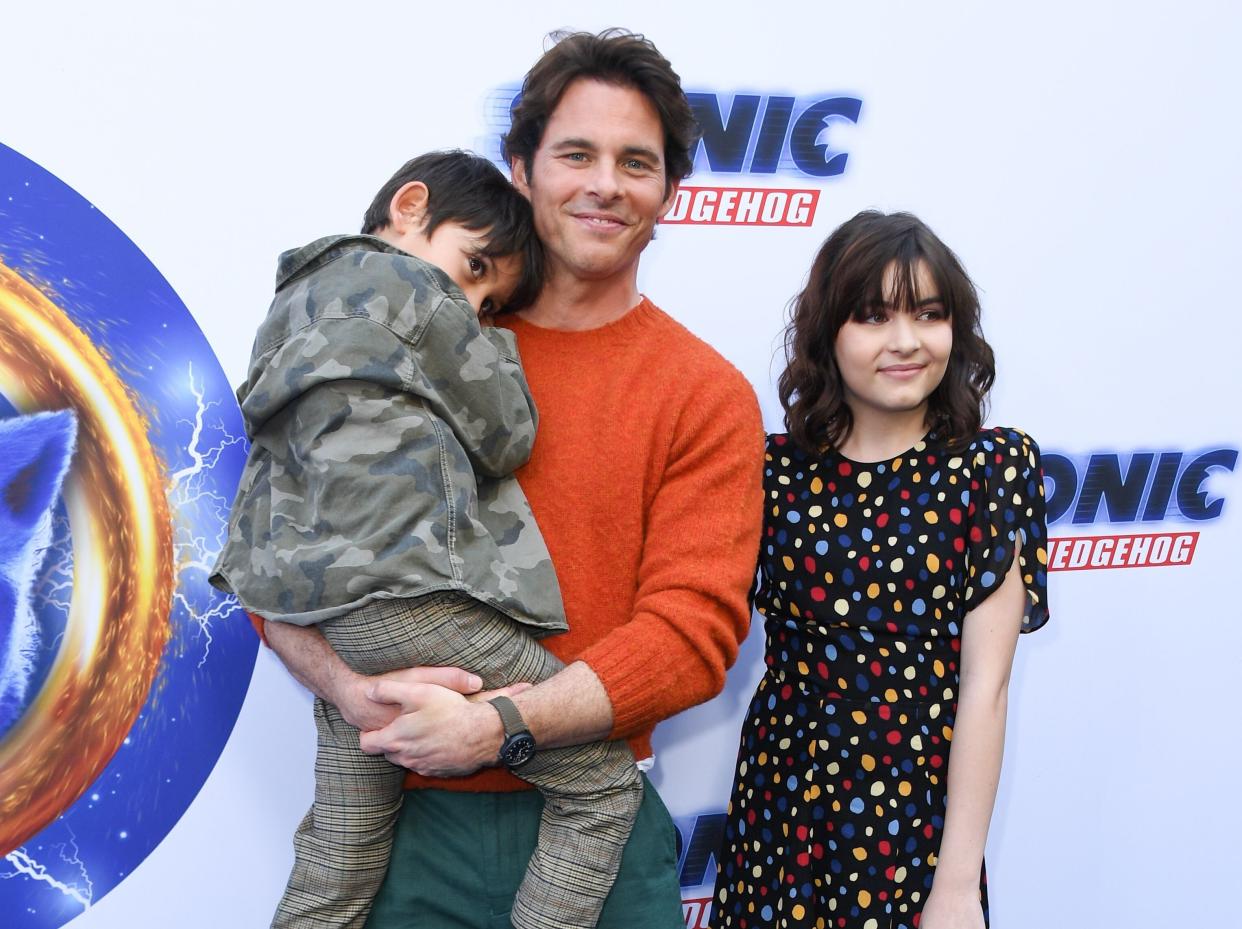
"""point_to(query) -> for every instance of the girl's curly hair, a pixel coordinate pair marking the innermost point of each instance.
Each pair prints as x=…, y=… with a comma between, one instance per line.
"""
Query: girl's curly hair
x=846, y=280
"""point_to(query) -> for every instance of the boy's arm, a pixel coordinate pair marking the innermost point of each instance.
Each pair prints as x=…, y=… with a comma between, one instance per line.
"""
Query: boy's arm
x=473, y=380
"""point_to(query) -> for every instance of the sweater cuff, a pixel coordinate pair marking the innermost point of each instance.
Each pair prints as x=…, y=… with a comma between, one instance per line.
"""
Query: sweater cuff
x=632, y=690
x=260, y=626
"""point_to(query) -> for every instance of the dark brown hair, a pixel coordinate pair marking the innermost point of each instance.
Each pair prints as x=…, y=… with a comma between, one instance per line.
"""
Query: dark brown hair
x=846, y=281
x=614, y=56
x=469, y=191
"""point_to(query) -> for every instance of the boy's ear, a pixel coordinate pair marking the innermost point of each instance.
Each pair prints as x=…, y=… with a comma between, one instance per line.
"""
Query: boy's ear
x=407, y=210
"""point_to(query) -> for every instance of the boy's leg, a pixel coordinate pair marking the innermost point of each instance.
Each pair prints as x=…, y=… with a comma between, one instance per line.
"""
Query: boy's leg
x=592, y=792
x=342, y=846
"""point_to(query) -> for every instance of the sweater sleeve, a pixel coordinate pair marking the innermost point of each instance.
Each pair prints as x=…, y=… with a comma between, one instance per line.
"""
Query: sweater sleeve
x=692, y=608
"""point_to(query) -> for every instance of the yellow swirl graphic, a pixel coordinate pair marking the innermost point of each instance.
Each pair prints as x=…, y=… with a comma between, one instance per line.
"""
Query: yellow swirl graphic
x=123, y=565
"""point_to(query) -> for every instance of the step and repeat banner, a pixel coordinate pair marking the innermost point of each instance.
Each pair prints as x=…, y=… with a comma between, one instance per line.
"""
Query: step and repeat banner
x=154, y=159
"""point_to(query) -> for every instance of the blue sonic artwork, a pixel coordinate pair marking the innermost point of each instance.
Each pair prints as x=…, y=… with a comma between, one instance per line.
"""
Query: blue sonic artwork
x=122, y=671
x=35, y=452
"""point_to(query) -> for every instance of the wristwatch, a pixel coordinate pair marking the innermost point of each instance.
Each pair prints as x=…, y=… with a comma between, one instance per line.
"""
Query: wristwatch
x=519, y=744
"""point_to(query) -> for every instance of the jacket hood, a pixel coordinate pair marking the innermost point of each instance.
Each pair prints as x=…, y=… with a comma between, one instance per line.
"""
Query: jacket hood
x=297, y=262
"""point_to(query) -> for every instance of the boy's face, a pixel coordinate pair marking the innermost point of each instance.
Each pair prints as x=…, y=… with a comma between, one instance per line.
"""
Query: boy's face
x=488, y=282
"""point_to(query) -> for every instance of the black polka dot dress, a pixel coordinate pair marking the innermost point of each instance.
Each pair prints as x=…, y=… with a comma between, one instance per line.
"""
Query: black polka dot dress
x=867, y=571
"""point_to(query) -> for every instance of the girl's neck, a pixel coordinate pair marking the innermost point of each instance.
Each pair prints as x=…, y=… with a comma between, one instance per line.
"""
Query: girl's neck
x=879, y=436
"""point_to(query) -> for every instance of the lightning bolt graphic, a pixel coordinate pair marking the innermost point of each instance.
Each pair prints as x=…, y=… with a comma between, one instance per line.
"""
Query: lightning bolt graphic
x=26, y=866
x=196, y=504
x=54, y=583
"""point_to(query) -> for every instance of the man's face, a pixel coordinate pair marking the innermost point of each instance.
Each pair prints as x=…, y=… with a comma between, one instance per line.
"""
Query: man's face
x=598, y=181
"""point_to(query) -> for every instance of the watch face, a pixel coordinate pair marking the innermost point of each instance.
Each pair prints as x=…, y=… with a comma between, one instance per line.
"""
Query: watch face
x=518, y=749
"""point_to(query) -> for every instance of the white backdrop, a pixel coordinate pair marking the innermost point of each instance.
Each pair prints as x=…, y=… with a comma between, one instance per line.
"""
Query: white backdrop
x=1080, y=158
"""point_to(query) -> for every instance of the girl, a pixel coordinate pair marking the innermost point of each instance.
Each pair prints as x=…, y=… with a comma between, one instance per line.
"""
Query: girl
x=903, y=550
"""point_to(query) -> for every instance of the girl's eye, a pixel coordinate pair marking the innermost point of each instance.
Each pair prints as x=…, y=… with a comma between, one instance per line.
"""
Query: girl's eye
x=476, y=266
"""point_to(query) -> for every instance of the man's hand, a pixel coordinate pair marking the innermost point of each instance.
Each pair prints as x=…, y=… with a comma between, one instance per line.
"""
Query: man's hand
x=436, y=731
x=353, y=693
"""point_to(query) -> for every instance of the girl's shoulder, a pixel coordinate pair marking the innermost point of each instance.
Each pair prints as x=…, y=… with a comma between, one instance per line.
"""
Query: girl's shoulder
x=780, y=445
x=1005, y=441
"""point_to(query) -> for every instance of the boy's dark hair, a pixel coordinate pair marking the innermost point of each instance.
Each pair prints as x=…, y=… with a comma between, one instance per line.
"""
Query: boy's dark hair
x=467, y=189
x=846, y=281
x=615, y=56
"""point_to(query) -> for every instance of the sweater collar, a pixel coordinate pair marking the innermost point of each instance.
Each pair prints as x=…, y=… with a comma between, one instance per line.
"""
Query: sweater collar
x=642, y=316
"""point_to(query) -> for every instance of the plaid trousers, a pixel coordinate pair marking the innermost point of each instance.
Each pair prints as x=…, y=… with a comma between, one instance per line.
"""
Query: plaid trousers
x=592, y=792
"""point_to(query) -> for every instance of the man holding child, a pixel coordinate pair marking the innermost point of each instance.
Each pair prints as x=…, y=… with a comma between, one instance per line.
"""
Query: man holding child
x=645, y=482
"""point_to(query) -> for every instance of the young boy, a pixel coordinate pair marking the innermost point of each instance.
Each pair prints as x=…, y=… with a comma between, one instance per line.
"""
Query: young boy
x=378, y=502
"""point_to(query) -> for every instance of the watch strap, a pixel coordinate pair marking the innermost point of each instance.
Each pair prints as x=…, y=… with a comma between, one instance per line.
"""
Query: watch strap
x=510, y=718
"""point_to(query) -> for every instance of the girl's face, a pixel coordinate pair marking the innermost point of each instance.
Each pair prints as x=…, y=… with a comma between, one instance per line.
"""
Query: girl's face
x=893, y=357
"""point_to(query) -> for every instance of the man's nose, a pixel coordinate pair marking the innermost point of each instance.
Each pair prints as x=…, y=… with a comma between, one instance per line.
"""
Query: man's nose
x=605, y=180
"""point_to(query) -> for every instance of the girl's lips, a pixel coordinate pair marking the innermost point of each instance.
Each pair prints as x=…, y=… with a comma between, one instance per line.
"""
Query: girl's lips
x=902, y=371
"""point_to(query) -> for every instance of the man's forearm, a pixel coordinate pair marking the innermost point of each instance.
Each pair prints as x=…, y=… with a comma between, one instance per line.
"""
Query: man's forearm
x=569, y=708
x=309, y=658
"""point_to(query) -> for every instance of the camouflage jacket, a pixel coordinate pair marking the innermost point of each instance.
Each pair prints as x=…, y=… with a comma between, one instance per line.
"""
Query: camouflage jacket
x=385, y=424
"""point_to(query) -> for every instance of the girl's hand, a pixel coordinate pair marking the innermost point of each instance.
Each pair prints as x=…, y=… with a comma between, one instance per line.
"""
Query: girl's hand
x=952, y=910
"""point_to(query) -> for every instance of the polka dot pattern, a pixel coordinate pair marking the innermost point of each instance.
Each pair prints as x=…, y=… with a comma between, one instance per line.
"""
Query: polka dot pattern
x=867, y=571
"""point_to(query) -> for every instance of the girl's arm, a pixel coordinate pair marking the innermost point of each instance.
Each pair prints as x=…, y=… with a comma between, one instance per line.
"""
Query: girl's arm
x=989, y=637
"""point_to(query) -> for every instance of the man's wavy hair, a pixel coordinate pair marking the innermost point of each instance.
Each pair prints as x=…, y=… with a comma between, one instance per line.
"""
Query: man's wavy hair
x=614, y=56
x=846, y=281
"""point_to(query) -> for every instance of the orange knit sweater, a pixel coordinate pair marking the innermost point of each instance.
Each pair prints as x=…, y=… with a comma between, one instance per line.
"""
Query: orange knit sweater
x=645, y=480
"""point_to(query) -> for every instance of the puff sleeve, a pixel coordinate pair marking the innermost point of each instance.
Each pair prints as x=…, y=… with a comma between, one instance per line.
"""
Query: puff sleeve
x=1007, y=517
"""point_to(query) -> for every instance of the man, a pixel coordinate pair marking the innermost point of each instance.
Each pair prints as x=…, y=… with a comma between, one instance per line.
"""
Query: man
x=645, y=480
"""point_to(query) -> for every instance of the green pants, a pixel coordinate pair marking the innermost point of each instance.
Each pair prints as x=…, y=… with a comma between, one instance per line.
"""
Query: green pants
x=459, y=857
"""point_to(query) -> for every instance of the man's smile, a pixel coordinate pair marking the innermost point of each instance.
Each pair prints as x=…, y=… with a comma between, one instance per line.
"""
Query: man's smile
x=599, y=220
